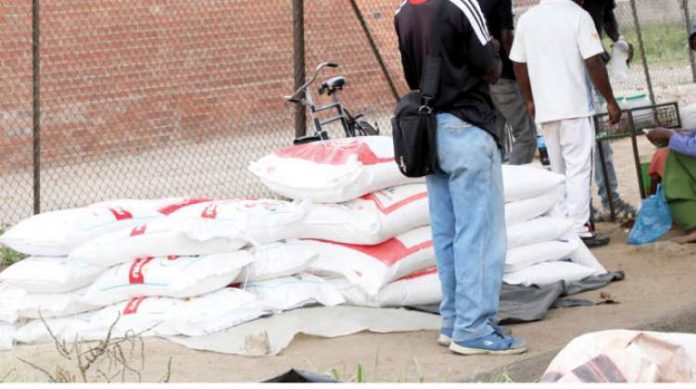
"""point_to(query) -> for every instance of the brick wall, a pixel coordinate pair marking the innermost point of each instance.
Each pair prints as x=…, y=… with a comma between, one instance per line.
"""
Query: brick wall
x=120, y=77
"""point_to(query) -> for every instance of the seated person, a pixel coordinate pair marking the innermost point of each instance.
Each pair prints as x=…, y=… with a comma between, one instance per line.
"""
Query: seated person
x=675, y=166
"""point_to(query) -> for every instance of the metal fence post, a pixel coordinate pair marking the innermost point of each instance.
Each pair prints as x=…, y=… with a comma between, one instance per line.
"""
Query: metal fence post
x=36, y=85
x=692, y=58
x=299, y=62
x=639, y=33
x=375, y=49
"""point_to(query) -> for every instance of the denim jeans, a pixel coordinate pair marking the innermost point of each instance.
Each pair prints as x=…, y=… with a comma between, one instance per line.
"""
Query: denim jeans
x=468, y=223
x=611, y=173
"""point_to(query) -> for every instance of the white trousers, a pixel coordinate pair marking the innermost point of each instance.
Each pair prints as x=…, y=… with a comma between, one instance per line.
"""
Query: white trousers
x=570, y=144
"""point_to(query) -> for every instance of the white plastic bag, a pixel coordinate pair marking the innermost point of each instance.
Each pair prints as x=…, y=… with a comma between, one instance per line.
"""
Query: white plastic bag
x=49, y=274
x=371, y=267
x=332, y=171
x=523, y=257
x=371, y=219
x=539, y=230
x=168, y=277
x=276, y=260
x=548, y=273
x=7, y=334
x=286, y=293
x=524, y=210
x=213, y=312
x=528, y=181
x=57, y=233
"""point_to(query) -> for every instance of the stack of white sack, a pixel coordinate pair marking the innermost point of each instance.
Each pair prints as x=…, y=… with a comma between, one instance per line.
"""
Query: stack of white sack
x=379, y=242
x=151, y=276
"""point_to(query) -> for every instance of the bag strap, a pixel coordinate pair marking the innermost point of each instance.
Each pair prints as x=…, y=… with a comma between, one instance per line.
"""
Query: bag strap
x=430, y=79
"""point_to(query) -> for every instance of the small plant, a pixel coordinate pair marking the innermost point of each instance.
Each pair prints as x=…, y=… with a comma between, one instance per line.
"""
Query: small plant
x=7, y=255
x=116, y=353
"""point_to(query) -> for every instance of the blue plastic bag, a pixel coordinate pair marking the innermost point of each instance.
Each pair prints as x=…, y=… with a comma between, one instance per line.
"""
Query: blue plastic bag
x=653, y=220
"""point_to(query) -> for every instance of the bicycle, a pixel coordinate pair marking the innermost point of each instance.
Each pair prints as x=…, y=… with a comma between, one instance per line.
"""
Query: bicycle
x=352, y=125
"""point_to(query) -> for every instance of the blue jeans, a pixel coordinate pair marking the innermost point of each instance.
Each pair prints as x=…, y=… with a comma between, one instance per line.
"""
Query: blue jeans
x=468, y=222
x=611, y=173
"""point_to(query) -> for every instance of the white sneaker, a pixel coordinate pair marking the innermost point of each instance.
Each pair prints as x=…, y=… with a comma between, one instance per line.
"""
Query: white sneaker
x=444, y=340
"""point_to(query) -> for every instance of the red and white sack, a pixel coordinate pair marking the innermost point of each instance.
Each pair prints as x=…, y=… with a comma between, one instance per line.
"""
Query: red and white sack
x=523, y=257
x=539, y=230
x=524, y=210
x=57, y=233
x=527, y=182
x=276, y=260
x=371, y=267
x=371, y=219
x=50, y=274
x=51, y=305
x=287, y=293
x=548, y=273
x=212, y=313
x=332, y=171
x=420, y=288
x=139, y=315
x=167, y=276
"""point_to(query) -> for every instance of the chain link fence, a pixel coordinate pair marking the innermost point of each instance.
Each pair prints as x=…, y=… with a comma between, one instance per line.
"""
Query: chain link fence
x=147, y=99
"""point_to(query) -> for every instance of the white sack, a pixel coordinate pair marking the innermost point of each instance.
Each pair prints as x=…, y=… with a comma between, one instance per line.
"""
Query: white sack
x=286, y=293
x=539, y=230
x=213, y=312
x=7, y=334
x=331, y=171
x=167, y=276
x=528, y=181
x=371, y=219
x=49, y=274
x=521, y=211
x=276, y=260
x=523, y=257
x=55, y=304
x=57, y=233
x=371, y=267
x=548, y=273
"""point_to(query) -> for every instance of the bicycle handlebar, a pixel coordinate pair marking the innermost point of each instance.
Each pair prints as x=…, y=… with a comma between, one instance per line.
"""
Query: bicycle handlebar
x=295, y=98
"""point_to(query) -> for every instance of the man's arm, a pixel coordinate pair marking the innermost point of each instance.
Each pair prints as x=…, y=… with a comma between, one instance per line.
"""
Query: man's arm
x=483, y=51
x=683, y=143
x=522, y=75
x=600, y=79
x=507, y=24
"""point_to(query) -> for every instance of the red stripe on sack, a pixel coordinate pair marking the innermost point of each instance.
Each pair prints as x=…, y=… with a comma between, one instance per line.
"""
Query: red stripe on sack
x=336, y=152
x=121, y=214
x=210, y=212
x=132, y=305
x=138, y=230
x=173, y=257
x=396, y=206
x=135, y=274
x=171, y=208
x=389, y=252
x=418, y=274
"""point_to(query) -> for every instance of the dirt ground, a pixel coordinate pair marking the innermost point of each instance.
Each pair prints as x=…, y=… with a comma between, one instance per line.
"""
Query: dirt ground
x=659, y=283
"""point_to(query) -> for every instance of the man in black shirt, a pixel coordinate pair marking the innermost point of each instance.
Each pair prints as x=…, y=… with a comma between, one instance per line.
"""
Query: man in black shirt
x=602, y=12
x=466, y=199
x=506, y=94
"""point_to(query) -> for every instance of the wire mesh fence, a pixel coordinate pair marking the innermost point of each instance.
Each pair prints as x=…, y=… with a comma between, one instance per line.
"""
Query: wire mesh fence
x=157, y=98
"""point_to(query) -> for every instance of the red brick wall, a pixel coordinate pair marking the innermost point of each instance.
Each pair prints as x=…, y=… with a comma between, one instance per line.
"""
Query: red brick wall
x=120, y=76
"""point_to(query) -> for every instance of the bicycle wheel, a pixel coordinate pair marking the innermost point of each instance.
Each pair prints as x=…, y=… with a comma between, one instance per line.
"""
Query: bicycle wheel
x=363, y=128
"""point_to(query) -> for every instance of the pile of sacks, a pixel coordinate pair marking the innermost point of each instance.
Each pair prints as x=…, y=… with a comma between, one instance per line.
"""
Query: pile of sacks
x=355, y=232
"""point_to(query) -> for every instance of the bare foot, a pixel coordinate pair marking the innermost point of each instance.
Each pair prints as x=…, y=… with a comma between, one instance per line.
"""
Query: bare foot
x=690, y=237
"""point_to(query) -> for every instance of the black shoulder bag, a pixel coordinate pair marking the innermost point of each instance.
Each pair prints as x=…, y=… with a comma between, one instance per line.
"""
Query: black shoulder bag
x=414, y=126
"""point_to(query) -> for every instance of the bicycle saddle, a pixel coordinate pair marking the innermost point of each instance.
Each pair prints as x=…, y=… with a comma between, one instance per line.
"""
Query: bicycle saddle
x=332, y=85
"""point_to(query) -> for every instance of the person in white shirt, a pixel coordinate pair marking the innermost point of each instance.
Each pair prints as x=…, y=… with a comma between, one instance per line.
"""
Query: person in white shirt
x=556, y=53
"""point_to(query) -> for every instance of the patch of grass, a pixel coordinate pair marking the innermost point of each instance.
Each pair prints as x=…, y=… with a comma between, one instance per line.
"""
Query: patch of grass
x=665, y=43
x=7, y=255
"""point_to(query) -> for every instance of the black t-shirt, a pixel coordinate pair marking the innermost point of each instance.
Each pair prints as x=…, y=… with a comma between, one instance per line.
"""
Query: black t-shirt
x=499, y=16
x=601, y=11
x=467, y=55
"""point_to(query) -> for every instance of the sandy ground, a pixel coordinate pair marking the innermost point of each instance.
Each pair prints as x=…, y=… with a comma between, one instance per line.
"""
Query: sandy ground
x=659, y=283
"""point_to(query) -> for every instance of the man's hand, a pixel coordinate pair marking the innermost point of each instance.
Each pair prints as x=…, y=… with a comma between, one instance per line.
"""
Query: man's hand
x=531, y=109
x=496, y=44
x=659, y=136
x=614, y=112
